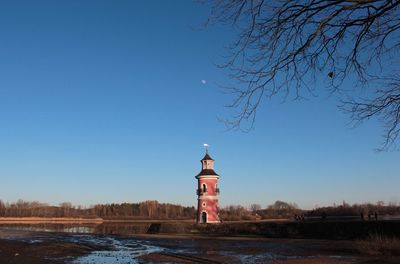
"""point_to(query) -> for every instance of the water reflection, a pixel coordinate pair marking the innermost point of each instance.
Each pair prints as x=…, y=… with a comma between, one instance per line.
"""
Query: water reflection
x=66, y=228
x=122, y=228
x=107, y=228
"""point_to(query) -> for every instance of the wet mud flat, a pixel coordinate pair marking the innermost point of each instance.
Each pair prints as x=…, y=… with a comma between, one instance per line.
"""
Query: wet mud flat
x=76, y=248
x=43, y=248
x=260, y=250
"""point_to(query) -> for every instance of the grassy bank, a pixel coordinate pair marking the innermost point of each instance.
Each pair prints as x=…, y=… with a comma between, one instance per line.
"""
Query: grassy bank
x=317, y=230
x=312, y=230
x=272, y=229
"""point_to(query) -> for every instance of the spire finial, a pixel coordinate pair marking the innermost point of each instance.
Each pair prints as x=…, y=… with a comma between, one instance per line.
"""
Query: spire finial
x=206, y=147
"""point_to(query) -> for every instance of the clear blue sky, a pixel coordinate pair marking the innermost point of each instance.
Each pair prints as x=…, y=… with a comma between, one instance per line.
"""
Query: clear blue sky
x=103, y=101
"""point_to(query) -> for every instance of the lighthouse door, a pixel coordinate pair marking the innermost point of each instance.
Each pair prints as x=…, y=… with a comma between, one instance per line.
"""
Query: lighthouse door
x=204, y=217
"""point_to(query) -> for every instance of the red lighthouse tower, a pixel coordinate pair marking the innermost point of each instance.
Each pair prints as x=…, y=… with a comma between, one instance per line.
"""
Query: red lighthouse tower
x=207, y=191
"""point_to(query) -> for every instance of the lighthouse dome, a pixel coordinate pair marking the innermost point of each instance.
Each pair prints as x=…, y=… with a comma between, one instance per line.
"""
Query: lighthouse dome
x=206, y=157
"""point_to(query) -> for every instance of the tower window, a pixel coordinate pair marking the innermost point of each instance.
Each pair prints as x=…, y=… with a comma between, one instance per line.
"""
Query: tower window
x=204, y=204
x=204, y=188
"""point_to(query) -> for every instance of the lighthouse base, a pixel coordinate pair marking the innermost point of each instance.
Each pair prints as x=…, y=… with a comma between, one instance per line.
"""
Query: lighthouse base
x=210, y=222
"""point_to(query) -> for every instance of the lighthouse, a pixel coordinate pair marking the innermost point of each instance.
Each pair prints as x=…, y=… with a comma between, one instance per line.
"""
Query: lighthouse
x=207, y=191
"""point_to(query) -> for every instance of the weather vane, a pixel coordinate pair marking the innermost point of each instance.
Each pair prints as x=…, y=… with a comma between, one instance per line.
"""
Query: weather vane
x=206, y=147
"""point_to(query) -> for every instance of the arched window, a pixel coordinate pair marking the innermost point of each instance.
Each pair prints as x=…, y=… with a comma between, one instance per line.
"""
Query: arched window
x=204, y=217
x=204, y=188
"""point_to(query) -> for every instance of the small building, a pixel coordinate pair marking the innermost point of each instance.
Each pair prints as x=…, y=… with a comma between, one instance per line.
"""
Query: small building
x=207, y=192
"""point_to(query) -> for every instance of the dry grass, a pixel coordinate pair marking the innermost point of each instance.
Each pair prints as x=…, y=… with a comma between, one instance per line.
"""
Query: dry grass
x=378, y=245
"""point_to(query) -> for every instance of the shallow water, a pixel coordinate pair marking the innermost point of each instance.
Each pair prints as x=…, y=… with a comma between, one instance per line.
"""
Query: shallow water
x=126, y=249
x=124, y=252
x=106, y=228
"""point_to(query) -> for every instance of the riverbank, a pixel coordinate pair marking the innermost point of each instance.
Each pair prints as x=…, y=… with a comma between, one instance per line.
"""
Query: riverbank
x=338, y=230
x=41, y=220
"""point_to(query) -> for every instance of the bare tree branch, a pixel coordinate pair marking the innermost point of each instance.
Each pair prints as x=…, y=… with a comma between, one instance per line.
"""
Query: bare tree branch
x=385, y=104
x=283, y=47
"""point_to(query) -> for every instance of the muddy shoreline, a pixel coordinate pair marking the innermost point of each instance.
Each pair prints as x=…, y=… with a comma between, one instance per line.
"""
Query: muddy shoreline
x=15, y=247
x=330, y=230
x=55, y=247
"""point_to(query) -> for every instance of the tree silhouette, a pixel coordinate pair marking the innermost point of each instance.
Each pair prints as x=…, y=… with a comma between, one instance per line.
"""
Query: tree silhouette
x=284, y=47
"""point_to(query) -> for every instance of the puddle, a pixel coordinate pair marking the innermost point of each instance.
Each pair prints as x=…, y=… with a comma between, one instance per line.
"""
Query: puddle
x=106, y=257
x=122, y=252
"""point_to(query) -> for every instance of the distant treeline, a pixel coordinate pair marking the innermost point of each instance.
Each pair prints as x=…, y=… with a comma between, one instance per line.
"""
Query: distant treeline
x=155, y=210
x=346, y=209
x=278, y=210
x=285, y=210
x=142, y=210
